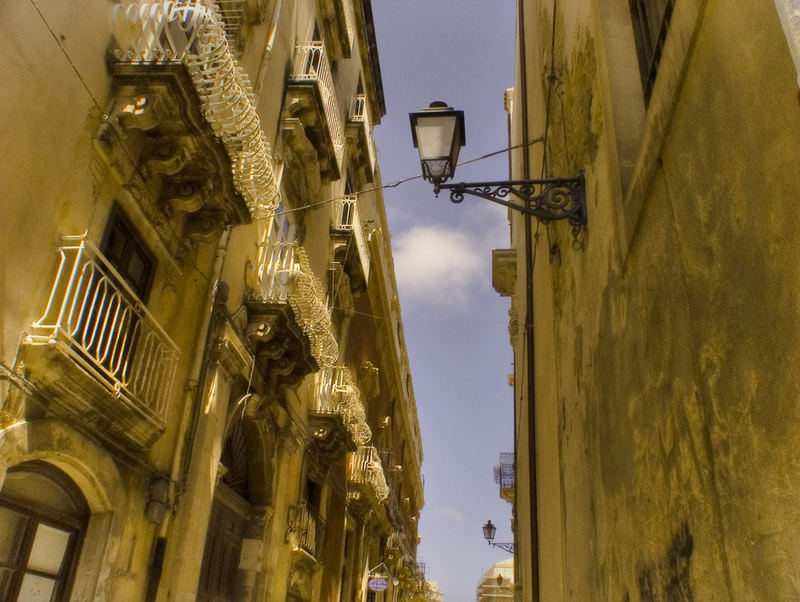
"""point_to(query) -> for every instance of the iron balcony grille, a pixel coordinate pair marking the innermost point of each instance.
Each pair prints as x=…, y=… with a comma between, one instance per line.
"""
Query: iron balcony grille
x=307, y=530
x=335, y=394
x=189, y=32
x=311, y=64
x=286, y=277
x=95, y=318
x=364, y=467
x=504, y=470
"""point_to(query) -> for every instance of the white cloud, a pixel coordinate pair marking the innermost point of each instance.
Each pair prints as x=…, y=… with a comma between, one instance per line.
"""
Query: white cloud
x=451, y=513
x=438, y=266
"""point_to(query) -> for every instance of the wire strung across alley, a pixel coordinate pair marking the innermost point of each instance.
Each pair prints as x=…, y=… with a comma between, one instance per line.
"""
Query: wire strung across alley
x=397, y=183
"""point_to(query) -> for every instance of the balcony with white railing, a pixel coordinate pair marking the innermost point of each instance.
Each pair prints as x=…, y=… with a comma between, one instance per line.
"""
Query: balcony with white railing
x=314, y=104
x=289, y=324
x=346, y=228
x=306, y=530
x=360, y=122
x=365, y=471
x=336, y=396
x=154, y=34
x=98, y=351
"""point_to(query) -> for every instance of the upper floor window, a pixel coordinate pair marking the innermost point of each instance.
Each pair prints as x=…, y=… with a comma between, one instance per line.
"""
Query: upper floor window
x=650, y=24
x=124, y=249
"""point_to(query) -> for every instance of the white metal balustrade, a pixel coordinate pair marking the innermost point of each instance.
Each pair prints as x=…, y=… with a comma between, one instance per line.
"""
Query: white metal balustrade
x=277, y=271
x=306, y=529
x=97, y=320
x=346, y=218
x=336, y=394
x=364, y=466
x=311, y=64
x=188, y=31
x=285, y=276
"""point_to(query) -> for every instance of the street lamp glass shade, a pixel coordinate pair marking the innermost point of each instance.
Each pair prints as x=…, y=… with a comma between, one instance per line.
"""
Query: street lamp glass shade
x=438, y=133
x=489, y=530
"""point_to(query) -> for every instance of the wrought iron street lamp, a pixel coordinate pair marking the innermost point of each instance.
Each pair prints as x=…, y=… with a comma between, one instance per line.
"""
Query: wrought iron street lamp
x=488, y=533
x=438, y=134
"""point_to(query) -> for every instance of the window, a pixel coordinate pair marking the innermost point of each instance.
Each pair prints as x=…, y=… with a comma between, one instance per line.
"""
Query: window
x=108, y=326
x=313, y=495
x=124, y=249
x=42, y=519
x=650, y=23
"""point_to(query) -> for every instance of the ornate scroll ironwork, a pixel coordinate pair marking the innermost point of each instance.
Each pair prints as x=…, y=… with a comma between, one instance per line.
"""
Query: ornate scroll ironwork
x=547, y=200
x=188, y=31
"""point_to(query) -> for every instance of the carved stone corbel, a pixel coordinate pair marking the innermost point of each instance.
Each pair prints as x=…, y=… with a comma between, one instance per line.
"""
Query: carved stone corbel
x=369, y=380
x=135, y=113
x=167, y=154
x=282, y=350
x=302, y=180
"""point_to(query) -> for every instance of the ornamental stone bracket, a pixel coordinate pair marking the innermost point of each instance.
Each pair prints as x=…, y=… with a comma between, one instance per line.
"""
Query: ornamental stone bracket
x=281, y=348
x=362, y=501
x=301, y=179
x=330, y=442
x=358, y=151
x=345, y=253
x=163, y=150
x=304, y=104
x=369, y=380
x=301, y=575
x=504, y=271
x=230, y=352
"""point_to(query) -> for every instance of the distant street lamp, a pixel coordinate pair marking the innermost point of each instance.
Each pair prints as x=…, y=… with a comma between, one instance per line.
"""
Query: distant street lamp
x=438, y=134
x=488, y=533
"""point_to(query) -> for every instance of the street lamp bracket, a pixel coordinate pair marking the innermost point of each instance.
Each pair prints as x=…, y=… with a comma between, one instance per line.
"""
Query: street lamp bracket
x=548, y=200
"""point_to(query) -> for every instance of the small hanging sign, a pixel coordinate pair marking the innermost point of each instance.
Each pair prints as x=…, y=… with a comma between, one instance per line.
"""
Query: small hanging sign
x=377, y=584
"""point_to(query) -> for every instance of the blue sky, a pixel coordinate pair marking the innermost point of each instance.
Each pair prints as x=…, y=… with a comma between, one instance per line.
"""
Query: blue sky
x=456, y=326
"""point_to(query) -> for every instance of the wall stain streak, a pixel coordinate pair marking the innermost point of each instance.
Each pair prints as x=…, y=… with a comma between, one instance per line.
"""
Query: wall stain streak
x=669, y=581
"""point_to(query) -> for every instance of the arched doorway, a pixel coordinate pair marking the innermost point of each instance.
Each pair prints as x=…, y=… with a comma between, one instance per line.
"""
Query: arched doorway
x=43, y=517
x=241, y=494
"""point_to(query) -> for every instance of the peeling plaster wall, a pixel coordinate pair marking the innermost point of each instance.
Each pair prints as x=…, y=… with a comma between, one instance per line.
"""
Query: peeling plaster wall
x=667, y=345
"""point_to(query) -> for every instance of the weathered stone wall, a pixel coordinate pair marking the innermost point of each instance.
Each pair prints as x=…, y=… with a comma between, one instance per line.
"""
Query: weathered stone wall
x=667, y=344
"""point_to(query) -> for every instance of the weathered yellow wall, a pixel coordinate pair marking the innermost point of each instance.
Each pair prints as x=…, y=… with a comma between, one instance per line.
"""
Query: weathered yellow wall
x=667, y=346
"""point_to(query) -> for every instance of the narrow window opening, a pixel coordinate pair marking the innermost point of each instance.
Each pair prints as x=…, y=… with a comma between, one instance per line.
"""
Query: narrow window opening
x=650, y=24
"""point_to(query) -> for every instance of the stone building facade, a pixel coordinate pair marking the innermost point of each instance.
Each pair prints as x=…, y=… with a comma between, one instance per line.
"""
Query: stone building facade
x=661, y=340
x=204, y=387
x=497, y=584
